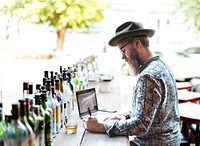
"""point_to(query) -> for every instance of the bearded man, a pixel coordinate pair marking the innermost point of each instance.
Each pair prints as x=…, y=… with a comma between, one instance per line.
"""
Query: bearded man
x=154, y=119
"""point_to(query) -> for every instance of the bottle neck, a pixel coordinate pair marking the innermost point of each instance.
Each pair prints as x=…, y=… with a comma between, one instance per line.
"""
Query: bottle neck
x=25, y=94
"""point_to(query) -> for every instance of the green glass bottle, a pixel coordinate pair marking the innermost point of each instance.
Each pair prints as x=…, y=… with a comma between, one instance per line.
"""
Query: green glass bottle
x=2, y=127
x=30, y=118
x=24, y=120
x=36, y=121
x=42, y=114
x=48, y=129
x=16, y=133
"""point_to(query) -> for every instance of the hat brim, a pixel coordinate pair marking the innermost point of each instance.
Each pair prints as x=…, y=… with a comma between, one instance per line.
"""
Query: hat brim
x=139, y=32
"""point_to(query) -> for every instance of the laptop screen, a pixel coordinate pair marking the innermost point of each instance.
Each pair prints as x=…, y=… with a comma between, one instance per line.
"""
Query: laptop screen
x=86, y=99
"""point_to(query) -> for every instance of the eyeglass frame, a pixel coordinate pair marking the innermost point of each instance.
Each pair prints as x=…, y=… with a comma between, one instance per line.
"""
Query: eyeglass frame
x=122, y=50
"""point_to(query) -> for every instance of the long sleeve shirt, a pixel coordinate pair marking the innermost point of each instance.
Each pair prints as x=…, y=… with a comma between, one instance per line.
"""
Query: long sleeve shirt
x=155, y=115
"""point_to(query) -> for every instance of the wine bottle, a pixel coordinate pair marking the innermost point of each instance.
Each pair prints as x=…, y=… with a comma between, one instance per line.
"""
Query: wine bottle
x=16, y=133
x=41, y=127
x=71, y=87
x=30, y=92
x=61, y=86
x=48, y=129
x=59, y=97
x=25, y=89
x=24, y=121
x=2, y=127
x=30, y=117
x=52, y=105
x=46, y=74
x=65, y=98
x=38, y=90
x=57, y=110
x=8, y=119
x=36, y=122
x=67, y=95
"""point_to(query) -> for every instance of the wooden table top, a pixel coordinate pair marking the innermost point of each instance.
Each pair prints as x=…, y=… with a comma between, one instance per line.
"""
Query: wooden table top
x=185, y=96
x=189, y=112
x=106, y=101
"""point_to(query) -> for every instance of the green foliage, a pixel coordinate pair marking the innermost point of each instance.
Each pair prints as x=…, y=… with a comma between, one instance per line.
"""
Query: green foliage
x=60, y=14
x=191, y=9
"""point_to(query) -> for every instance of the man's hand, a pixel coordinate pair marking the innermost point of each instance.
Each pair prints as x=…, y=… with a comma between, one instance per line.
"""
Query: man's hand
x=93, y=125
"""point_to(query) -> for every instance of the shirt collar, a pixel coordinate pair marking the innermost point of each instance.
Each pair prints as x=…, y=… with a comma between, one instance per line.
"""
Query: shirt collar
x=148, y=62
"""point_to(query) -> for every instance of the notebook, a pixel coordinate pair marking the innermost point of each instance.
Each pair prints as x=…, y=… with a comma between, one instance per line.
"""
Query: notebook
x=87, y=102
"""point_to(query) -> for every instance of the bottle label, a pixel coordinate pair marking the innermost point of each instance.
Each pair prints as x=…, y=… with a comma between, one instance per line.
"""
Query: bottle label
x=58, y=119
x=31, y=142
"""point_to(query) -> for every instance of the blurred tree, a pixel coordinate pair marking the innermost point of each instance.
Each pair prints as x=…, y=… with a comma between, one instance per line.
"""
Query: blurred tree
x=60, y=14
x=191, y=10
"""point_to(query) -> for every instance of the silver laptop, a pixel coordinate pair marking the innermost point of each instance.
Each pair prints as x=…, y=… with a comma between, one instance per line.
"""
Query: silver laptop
x=87, y=104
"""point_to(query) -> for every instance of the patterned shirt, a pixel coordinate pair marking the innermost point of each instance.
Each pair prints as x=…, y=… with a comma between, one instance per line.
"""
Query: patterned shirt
x=155, y=119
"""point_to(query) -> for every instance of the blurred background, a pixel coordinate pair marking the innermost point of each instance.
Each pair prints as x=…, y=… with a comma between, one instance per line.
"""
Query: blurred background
x=38, y=35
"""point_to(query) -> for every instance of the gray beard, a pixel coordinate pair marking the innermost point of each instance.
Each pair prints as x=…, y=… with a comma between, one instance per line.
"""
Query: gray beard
x=135, y=62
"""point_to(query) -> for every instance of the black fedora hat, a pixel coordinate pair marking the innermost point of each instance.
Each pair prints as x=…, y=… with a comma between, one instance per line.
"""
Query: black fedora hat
x=130, y=29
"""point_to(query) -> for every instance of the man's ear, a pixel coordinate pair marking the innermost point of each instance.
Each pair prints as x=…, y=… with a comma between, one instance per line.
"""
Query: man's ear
x=137, y=42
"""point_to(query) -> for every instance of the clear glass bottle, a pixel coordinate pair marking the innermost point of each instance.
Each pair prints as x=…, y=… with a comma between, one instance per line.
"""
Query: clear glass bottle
x=59, y=97
x=66, y=100
x=51, y=104
x=24, y=121
x=16, y=133
x=61, y=85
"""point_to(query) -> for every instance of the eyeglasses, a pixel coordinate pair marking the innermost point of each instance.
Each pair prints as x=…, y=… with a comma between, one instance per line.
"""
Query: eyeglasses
x=122, y=49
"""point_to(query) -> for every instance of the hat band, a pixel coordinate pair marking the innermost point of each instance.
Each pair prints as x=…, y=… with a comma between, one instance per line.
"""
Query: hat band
x=124, y=30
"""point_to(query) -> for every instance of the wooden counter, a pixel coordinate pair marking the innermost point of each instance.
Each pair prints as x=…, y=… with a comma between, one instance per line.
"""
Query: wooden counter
x=106, y=101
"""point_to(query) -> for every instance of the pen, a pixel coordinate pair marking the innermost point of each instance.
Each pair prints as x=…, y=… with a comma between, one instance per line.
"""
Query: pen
x=89, y=111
